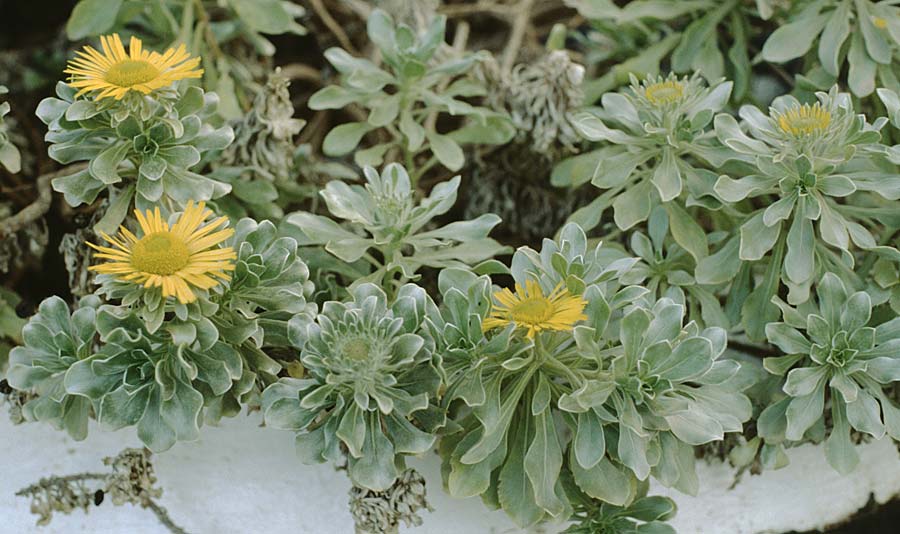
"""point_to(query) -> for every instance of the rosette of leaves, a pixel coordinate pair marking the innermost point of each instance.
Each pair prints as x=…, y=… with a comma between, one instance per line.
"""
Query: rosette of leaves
x=816, y=167
x=385, y=216
x=504, y=390
x=661, y=388
x=229, y=35
x=403, y=99
x=158, y=382
x=666, y=269
x=270, y=286
x=660, y=144
x=646, y=515
x=863, y=33
x=53, y=341
x=833, y=358
x=369, y=389
x=143, y=153
x=10, y=158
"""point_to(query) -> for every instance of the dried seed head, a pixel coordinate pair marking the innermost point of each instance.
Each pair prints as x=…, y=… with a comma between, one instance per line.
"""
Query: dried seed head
x=381, y=512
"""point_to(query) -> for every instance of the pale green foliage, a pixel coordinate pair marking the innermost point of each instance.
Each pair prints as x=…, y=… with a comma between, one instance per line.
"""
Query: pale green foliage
x=141, y=149
x=370, y=385
x=54, y=340
x=160, y=365
x=414, y=85
x=631, y=377
x=385, y=215
x=666, y=270
x=9, y=154
x=657, y=153
x=809, y=176
x=864, y=33
x=833, y=357
x=702, y=46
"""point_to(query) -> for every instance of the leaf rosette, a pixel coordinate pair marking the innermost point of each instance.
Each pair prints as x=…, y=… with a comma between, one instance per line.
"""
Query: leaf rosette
x=371, y=379
x=833, y=359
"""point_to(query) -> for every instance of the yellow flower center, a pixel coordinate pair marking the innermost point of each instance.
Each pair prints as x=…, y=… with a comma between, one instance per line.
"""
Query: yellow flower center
x=532, y=310
x=131, y=72
x=356, y=349
x=661, y=93
x=879, y=23
x=804, y=120
x=160, y=253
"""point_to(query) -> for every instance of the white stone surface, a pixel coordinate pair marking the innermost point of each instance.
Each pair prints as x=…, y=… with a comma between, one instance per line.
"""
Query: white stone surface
x=240, y=478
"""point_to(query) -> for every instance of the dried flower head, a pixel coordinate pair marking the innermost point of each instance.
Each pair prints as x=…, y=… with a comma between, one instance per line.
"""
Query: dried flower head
x=381, y=512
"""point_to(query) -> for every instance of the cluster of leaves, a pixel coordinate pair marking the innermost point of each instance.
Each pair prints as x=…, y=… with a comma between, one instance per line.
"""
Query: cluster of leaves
x=633, y=386
x=159, y=365
x=385, y=217
x=851, y=40
x=370, y=385
x=833, y=358
x=720, y=224
x=142, y=152
x=405, y=100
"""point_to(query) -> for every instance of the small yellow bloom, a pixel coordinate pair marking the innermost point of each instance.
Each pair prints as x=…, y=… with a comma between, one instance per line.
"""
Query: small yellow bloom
x=667, y=92
x=804, y=120
x=879, y=23
x=114, y=72
x=174, y=259
x=529, y=308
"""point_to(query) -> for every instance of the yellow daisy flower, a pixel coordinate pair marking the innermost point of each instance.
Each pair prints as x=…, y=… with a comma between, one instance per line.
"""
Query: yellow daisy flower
x=174, y=259
x=529, y=308
x=114, y=72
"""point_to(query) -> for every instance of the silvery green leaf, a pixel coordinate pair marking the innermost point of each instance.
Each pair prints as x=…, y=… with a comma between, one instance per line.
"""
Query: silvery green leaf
x=589, y=445
x=736, y=190
x=152, y=430
x=833, y=37
x=543, y=462
x=757, y=238
x=804, y=411
x=695, y=427
x=799, y=261
x=779, y=365
x=687, y=232
x=794, y=39
x=861, y=75
x=344, y=138
x=772, y=422
x=605, y=481
x=632, y=450
x=787, y=339
x=839, y=449
x=884, y=369
x=722, y=266
x=374, y=469
x=332, y=97
x=446, y=150
x=514, y=489
x=805, y=380
x=864, y=414
x=632, y=206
